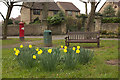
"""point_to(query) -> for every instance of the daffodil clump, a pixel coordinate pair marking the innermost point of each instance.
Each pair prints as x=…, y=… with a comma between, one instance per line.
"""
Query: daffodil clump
x=26, y=56
x=31, y=56
x=76, y=55
x=49, y=58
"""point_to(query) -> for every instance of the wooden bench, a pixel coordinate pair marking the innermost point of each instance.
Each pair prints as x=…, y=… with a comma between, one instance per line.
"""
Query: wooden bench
x=82, y=37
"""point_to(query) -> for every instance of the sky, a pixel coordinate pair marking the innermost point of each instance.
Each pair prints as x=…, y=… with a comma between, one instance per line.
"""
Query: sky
x=77, y=3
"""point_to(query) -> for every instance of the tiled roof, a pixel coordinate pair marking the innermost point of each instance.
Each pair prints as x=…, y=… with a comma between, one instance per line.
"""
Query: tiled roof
x=38, y=5
x=68, y=6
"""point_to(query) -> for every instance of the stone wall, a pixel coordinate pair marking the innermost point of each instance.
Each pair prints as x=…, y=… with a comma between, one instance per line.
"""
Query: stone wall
x=105, y=26
x=36, y=29
x=110, y=26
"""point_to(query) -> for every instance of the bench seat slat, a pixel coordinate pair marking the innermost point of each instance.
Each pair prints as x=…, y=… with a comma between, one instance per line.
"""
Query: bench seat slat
x=82, y=41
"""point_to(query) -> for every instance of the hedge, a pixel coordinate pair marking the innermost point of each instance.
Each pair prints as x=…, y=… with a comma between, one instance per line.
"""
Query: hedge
x=111, y=20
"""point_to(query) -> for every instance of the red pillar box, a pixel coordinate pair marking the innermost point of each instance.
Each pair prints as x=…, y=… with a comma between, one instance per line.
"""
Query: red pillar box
x=21, y=31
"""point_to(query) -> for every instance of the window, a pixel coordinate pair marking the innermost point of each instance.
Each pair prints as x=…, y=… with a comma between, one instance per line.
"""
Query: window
x=36, y=12
x=55, y=12
x=69, y=13
x=76, y=13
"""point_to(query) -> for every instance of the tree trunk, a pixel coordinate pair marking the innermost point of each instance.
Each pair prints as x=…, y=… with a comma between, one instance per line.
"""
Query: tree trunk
x=45, y=13
x=6, y=21
x=91, y=17
x=86, y=9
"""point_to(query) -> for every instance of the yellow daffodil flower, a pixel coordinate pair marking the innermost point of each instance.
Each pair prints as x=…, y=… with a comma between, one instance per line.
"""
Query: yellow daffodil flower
x=40, y=52
x=65, y=50
x=77, y=51
x=16, y=54
x=30, y=46
x=50, y=50
x=37, y=49
x=78, y=47
x=65, y=47
x=21, y=46
x=34, y=56
x=15, y=49
x=73, y=48
x=61, y=46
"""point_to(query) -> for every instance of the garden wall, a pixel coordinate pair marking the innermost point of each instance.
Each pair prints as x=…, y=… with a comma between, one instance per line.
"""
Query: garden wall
x=36, y=29
x=105, y=26
x=109, y=26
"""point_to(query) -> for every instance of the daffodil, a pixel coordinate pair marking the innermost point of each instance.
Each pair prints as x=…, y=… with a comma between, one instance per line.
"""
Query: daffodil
x=16, y=54
x=30, y=46
x=77, y=51
x=50, y=50
x=73, y=48
x=78, y=47
x=65, y=50
x=40, y=52
x=34, y=56
x=65, y=47
x=15, y=49
x=21, y=46
x=37, y=49
x=61, y=46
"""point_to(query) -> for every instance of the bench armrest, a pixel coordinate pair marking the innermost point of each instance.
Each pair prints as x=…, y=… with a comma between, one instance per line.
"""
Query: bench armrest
x=98, y=37
x=66, y=38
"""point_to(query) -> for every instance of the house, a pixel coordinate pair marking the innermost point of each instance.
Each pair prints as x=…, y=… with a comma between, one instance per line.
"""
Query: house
x=115, y=5
x=29, y=15
x=69, y=9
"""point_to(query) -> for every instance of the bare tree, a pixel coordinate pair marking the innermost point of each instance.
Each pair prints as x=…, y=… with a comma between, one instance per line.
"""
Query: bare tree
x=91, y=16
x=86, y=11
x=10, y=4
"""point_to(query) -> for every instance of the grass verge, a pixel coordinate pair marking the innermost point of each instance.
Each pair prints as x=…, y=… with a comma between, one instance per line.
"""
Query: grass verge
x=97, y=68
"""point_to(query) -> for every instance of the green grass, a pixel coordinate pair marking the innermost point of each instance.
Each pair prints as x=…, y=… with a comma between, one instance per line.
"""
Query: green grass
x=97, y=68
x=12, y=41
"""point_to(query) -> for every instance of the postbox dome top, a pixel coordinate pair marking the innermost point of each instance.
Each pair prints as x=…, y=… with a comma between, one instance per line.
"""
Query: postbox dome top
x=21, y=23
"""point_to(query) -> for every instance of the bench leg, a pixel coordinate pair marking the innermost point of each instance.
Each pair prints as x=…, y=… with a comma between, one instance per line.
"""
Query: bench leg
x=65, y=43
x=68, y=45
x=98, y=44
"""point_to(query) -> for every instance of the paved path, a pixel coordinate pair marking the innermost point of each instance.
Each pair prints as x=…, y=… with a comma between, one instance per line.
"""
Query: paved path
x=57, y=37
x=54, y=37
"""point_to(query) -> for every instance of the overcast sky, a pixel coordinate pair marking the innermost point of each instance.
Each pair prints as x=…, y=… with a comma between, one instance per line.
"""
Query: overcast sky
x=77, y=3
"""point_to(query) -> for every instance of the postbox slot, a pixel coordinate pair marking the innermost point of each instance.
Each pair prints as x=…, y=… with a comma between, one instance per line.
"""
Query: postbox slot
x=49, y=33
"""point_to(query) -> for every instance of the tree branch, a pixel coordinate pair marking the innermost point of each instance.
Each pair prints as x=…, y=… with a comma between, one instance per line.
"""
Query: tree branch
x=23, y=6
x=97, y=4
x=83, y=1
x=26, y=6
x=2, y=15
x=6, y=4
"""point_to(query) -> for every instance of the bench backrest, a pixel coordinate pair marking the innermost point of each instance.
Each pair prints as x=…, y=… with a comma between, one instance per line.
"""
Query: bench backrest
x=83, y=35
